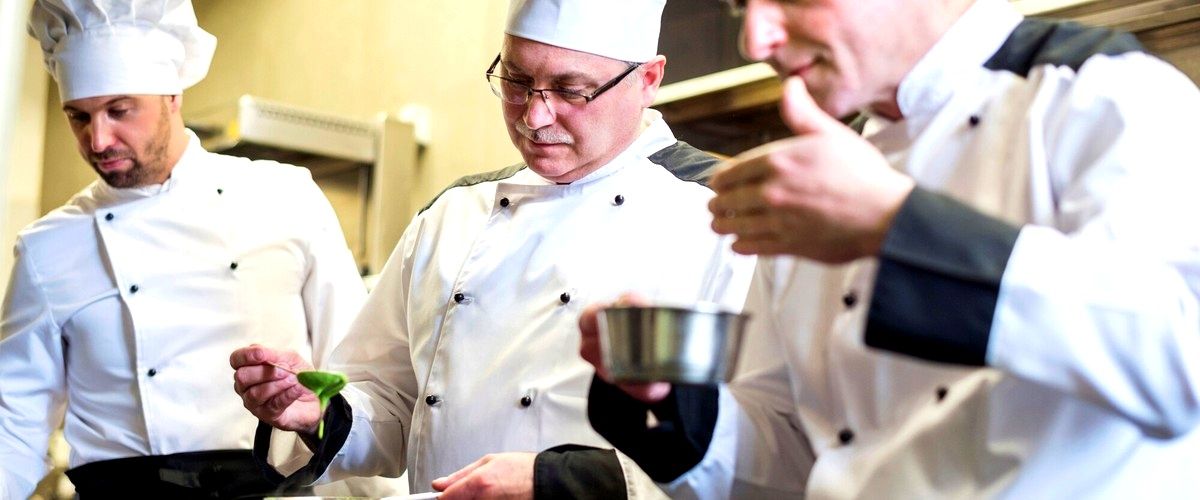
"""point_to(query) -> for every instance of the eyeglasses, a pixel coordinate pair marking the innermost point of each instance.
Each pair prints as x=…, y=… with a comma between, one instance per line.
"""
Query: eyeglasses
x=514, y=92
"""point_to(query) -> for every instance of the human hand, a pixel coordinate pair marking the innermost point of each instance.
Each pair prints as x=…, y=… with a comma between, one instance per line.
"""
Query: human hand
x=826, y=194
x=589, y=348
x=266, y=381
x=499, y=475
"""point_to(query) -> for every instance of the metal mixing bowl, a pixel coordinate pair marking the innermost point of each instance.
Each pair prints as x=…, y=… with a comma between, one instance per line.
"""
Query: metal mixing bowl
x=696, y=345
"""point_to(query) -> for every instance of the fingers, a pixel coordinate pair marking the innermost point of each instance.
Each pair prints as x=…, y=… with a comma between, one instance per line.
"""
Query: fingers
x=267, y=391
x=259, y=394
x=651, y=392
x=753, y=227
x=256, y=355
x=253, y=354
x=746, y=168
x=251, y=375
x=589, y=329
x=589, y=326
x=633, y=299
x=745, y=197
x=441, y=483
x=588, y=319
x=279, y=403
x=761, y=246
x=589, y=341
x=800, y=112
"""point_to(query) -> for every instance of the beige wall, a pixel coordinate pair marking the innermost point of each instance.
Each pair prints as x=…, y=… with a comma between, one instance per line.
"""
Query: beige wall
x=361, y=57
x=24, y=156
x=355, y=58
x=64, y=172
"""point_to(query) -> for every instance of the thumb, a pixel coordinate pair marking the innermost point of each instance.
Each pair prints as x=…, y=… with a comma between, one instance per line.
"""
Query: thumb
x=800, y=112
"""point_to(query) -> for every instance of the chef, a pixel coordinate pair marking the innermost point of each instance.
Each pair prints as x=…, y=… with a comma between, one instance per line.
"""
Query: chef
x=469, y=347
x=124, y=303
x=993, y=294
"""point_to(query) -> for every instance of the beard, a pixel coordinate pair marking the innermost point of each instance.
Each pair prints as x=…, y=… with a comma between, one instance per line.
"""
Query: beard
x=146, y=167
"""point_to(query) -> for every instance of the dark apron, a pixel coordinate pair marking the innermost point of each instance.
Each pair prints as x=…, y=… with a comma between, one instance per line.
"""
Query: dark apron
x=201, y=474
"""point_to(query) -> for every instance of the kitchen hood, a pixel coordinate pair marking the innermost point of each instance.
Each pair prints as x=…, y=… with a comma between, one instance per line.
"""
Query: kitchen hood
x=364, y=167
x=260, y=129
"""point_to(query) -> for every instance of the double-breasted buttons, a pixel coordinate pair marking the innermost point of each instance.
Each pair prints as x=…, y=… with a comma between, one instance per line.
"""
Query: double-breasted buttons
x=973, y=121
x=526, y=401
x=504, y=203
x=459, y=298
x=109, y=216
x=220, y=191
x=845, y=436
x=233, y=266
x=151, y=372
x=134, y=288
x=618, y=200
x=850, y=298
x=433, y=400
x=564, y=298
x=941, y=393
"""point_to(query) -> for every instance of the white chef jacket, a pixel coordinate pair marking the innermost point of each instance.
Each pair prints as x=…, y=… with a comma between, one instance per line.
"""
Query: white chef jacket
x=1092, y=379
x=478, y=307
x=124, y=305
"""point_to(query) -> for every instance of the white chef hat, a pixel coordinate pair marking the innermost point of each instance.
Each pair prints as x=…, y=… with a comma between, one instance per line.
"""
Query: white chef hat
x=619, y=29
x=111, y=47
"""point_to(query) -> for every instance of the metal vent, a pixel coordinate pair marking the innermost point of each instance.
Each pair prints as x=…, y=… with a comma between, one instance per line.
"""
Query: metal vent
x=261, y=129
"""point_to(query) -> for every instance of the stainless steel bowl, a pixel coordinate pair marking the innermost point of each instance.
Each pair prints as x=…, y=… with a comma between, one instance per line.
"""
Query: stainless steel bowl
x=682, y=345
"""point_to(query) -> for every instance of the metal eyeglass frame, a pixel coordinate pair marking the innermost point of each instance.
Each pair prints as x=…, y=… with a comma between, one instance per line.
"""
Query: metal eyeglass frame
x=568, y=96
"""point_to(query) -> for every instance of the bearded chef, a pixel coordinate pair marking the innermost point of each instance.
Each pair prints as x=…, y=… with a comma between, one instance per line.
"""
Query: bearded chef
x=994, y=293
x=124, y=303
x=468, y=346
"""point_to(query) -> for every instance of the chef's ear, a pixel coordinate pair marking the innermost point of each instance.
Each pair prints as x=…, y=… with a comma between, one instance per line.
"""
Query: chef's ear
x=174, y=102
x=650, y=76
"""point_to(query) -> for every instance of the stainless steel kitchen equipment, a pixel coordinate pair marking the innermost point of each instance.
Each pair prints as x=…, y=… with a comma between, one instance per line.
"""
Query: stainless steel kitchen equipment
x=697, y=345
x=364, y=167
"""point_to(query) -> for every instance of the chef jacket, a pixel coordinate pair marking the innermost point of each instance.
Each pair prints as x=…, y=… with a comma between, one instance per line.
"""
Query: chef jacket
x=124, y=305
x=1031, y=329
x=469, y=344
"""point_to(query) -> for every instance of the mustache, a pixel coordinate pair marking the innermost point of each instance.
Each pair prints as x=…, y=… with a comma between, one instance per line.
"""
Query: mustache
x=544, y=135
x=110, y=154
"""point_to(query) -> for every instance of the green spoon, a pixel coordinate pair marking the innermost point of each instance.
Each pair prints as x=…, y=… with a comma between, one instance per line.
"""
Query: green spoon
x=325, y=385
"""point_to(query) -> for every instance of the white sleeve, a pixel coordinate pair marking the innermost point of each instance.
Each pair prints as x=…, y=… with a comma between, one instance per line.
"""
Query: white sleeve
x=728, y=276
x=758, y=448
x=1105, y=306
x=375, y=356
x=333, y=291
x=32, y=380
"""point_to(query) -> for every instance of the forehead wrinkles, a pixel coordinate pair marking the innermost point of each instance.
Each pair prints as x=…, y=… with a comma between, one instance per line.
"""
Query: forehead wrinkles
x=547, y=62
x=570, y=74
x=559, y=76
x=90, y=105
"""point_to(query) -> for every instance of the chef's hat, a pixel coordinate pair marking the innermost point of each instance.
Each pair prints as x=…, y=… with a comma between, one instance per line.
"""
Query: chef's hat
x=619, y=29
x=111, y=47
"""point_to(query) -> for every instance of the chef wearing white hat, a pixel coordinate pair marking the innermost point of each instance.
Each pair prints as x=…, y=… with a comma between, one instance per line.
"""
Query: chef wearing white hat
x=124, y=303
x=464, y=364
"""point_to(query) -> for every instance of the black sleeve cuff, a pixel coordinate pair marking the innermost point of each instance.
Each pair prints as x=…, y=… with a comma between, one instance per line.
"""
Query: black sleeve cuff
x=338, y=418
x=572, y=471
x=686, y=421
x=939, y=280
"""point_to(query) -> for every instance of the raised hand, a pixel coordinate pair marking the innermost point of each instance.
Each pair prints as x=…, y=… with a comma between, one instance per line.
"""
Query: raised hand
x=825, y=194
x=266, y=381
x=589, y=349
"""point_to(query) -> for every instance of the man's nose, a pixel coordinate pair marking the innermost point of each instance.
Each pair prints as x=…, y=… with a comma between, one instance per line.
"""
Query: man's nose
x=100, y=135
x=762, y=30
x=538, y=113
